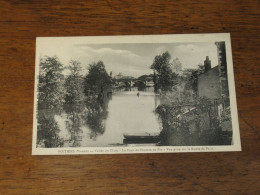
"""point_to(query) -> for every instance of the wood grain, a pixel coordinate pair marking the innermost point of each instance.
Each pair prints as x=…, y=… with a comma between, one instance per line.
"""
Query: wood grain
x=196, y=173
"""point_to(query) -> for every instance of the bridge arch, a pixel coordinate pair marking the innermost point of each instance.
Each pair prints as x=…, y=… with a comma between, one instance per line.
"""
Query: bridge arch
x=140, y=82
x=128, y=83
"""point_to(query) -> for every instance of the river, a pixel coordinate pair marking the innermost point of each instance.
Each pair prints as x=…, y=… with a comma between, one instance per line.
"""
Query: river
x=129, y=111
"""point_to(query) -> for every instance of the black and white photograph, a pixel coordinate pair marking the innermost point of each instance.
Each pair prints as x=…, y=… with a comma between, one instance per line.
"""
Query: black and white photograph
x=134, y=94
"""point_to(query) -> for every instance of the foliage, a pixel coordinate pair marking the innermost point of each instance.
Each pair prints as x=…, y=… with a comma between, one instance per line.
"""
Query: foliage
x=74, y=127
x=191, y=77
x=48, y=132
x=68, y=95
x=74, y=98
x=179, y=117
x=95, y=115
x=173, y=126
x=207, y=106
x=97, y=78
x=50, y=88
x=177, y=66
x=164, y=77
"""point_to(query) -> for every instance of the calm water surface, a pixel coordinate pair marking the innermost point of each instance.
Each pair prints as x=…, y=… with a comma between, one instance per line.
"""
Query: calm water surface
x=128, y=113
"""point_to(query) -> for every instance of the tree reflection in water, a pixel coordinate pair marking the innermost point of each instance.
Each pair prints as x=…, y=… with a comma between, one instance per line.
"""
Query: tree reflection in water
x=47, y=135
x=96, y=113
x=92, y=114
x=73, y=126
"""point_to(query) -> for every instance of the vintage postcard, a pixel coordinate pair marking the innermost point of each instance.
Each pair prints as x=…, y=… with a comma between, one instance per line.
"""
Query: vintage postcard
x=134, y=94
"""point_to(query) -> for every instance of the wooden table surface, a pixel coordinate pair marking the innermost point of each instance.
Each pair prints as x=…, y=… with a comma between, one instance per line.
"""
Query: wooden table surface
x=182, y=173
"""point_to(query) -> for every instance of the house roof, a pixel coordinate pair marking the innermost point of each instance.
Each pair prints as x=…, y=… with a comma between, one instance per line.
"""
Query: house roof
x=214, y=69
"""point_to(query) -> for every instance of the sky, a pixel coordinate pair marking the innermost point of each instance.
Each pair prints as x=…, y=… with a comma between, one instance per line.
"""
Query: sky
x=131, y=59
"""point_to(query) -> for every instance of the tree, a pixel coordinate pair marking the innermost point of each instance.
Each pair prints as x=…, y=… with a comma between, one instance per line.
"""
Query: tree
x=191, y=77
x=74, y=98
x=47, y=132
x=50, y=88
x=164, y=77
x=97, y=78
x=177, y=66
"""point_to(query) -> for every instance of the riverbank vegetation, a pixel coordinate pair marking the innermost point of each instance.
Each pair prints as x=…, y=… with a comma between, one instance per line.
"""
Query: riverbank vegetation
x=187, y=119
x=63, y=89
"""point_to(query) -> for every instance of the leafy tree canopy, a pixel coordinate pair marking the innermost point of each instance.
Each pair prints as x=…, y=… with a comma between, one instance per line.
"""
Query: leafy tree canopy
x=74, y=98
x=51, y=93
x=97, y=77
x=165, y=78
x=191, y=77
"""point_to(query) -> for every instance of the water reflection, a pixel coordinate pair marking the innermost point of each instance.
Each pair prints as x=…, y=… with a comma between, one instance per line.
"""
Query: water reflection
x=104, y=118
x=128, y=114
x=95, y=115
x=48, y=130
x=73, y=126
